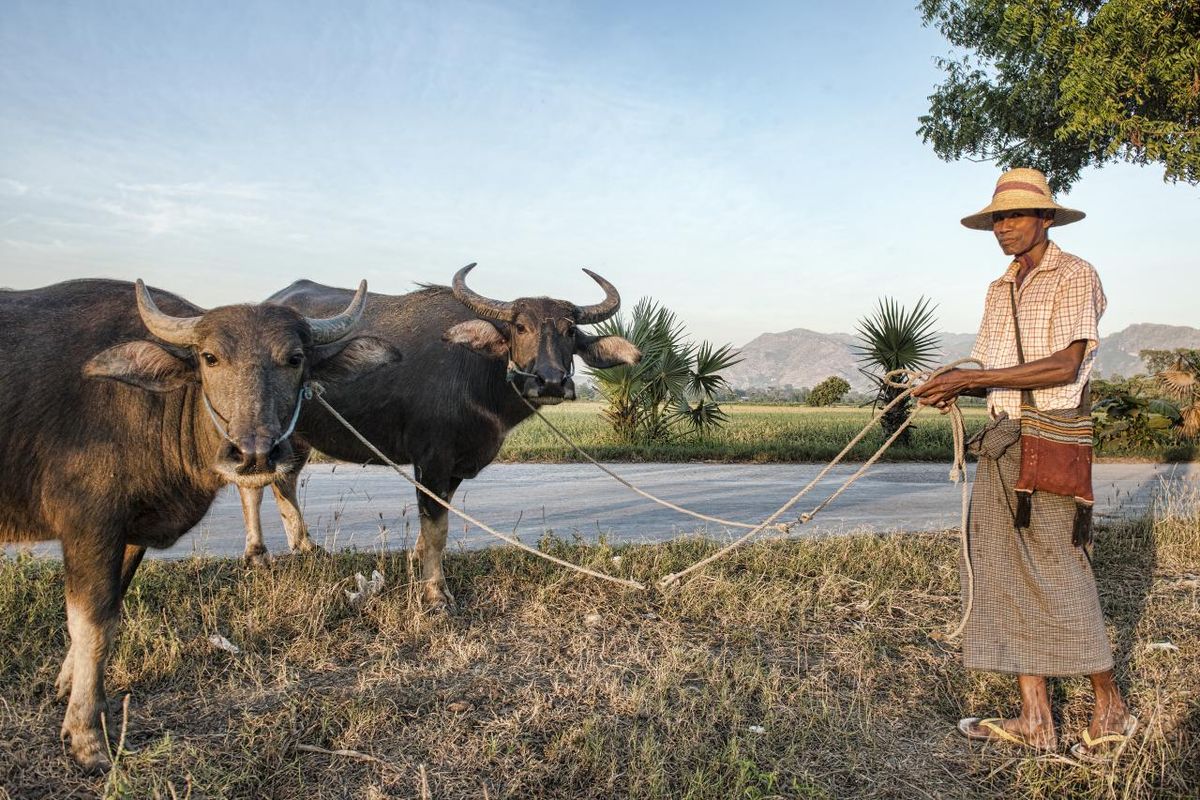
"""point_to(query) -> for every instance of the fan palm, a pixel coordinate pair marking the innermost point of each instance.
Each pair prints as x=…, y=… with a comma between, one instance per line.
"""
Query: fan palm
x=894, y=338
x=673, y=389
x=1181, y=380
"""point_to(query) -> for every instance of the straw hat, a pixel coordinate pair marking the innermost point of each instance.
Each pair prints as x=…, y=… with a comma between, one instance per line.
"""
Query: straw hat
x=1021, y=189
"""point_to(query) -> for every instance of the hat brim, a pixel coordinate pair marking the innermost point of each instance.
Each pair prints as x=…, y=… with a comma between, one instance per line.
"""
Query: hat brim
x=982, y=220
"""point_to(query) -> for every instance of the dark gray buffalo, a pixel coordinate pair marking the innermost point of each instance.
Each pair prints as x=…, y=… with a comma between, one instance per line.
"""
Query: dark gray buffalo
x=448, y=405
x=118, y=424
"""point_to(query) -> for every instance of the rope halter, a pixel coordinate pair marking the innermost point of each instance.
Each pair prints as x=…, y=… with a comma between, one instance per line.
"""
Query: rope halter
x=306, y=393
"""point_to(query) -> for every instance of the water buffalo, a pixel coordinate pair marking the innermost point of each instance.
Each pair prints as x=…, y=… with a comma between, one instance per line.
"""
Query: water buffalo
x=118, y=424
x=448, y=405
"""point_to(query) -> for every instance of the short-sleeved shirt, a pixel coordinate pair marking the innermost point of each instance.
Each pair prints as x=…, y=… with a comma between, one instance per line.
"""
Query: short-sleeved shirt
x=1060, y=301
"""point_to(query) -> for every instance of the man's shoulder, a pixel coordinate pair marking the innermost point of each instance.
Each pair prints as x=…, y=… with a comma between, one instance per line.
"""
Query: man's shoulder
x=1072, y=265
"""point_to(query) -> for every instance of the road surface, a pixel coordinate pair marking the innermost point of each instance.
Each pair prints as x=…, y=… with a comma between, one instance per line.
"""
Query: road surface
x=372, y=507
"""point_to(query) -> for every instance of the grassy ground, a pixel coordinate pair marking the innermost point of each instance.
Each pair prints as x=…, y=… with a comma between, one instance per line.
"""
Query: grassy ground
x=795, y=669
x=763, y=434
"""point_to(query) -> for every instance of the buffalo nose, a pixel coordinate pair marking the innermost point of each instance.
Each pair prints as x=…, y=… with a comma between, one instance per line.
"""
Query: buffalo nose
x=253, y=454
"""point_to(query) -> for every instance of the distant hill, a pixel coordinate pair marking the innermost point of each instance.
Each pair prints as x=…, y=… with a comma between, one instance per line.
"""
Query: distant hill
x=801, y=357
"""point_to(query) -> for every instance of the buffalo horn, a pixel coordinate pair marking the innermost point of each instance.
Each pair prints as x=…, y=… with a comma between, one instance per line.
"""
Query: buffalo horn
x=173, y=330
x=590, y=315
x=483, y=306
x=329, y=330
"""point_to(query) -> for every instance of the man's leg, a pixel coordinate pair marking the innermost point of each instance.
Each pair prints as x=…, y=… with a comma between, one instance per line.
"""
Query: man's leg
x=1110, y=714
x=1035, y=726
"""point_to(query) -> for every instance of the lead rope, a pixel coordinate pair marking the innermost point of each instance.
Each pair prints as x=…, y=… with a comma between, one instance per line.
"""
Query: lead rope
x=910, y=379
x=318, y=396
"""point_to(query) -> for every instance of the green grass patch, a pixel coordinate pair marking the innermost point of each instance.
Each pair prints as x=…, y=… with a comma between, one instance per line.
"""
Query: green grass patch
x=765, y=434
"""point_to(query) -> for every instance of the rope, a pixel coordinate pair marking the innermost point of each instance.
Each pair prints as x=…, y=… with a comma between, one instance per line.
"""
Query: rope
x=910, y=379
x=618, y=478
x=318, y=395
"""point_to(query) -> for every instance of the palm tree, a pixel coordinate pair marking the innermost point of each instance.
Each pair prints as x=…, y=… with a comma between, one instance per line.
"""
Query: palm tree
x=894, y=338
x=673, y=389
x=1181, y=380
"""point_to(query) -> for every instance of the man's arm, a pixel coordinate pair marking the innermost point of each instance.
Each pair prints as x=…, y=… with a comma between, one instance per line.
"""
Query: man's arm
x=1056, y=369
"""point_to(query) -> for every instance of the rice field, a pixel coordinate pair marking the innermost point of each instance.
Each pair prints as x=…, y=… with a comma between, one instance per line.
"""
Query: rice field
x=762, y=434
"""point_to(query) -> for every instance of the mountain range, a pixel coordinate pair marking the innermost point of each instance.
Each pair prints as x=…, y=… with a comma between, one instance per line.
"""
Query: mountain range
x=801, y=357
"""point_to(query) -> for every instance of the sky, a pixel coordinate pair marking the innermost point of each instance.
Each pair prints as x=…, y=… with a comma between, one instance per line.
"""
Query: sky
x=753, y=166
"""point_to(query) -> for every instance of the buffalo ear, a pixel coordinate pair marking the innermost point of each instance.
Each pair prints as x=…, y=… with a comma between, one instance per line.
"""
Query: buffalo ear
x=602, y=352
x=143, y=364
x=486, y=338
x=348, y=359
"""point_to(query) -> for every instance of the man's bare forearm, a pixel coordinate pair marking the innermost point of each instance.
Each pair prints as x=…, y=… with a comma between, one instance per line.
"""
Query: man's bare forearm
x=1053, y=370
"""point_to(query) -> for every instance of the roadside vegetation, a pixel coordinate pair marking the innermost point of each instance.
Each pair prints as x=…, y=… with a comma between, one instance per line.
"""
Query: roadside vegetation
x=767, y=434
x=797, y=668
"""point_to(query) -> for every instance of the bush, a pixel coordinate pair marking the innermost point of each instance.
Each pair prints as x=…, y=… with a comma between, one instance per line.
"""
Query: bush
x=828, y=391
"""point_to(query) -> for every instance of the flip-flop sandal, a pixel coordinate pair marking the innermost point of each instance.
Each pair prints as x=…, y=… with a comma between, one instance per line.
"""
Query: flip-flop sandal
x=1110, y=744
x=995, y=733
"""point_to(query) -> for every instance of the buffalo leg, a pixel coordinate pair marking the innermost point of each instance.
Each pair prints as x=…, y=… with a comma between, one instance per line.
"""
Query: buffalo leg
x=129, y=564
x=435, y=525
x=289, y=512
x=256, y=552
x=93, y=587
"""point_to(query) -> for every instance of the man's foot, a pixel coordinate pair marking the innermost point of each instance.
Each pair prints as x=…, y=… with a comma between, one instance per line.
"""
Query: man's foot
x=1105, y=746
x=1009, y=731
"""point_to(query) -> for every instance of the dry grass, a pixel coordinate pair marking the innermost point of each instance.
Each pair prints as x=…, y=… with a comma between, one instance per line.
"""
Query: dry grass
x=797, y=669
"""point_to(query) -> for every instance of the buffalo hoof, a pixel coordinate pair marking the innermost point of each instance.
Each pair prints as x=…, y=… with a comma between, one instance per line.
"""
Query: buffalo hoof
x=308, y=546
x=438, y=601
x=257, y=557
x=89, y=749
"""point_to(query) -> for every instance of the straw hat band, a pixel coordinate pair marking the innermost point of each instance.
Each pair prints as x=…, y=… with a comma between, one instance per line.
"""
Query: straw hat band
x=1021, y=189
x=1013, y=186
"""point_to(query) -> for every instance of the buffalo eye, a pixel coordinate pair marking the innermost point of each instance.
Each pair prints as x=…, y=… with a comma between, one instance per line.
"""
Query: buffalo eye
x=295, y=359
x=209, y=359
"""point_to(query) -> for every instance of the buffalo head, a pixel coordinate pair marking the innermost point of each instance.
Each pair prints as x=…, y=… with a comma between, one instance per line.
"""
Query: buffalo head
x=251, y=364
x=540, y=336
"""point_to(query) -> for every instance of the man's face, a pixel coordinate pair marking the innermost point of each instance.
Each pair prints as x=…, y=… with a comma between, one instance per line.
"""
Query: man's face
x=1019, y=231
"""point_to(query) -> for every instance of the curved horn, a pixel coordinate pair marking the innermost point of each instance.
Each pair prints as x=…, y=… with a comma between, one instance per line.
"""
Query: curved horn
x=483, y=306
x=590, y=315
x=173, y=330
x=329, y=330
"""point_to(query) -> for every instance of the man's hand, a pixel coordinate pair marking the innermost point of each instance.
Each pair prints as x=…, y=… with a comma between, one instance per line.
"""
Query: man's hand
x=942, y=390
x=1055, y=369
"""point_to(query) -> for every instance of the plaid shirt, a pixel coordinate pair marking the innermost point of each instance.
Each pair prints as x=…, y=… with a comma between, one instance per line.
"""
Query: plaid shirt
x=1060, y=302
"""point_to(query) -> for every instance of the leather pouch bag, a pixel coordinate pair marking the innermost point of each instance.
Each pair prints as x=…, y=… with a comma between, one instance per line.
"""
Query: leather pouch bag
x=1056, y=454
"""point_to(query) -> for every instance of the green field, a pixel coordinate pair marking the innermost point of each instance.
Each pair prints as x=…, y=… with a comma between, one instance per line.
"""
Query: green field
x=762, y=434
x=802, y=668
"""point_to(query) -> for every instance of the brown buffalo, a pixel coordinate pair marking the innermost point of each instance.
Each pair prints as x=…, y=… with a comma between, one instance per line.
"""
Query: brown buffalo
x=119, y=423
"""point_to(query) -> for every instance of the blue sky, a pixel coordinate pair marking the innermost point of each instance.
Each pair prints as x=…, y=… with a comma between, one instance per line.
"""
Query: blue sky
x=753, y=166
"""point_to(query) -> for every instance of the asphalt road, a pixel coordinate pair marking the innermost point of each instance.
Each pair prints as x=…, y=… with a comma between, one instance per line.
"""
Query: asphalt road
x=371, y=507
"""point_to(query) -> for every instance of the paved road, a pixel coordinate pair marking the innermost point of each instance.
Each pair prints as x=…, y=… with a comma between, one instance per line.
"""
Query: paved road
x=369, y=507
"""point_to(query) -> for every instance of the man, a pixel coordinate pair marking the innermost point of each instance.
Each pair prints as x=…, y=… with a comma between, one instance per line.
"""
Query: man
x=1036, y=610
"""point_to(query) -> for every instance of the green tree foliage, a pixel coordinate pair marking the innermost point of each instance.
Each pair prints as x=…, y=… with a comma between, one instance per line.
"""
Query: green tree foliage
x=893, y=338
x=828, y=391
x=673, y=390
x=1063, y=84
x=1128, y=415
